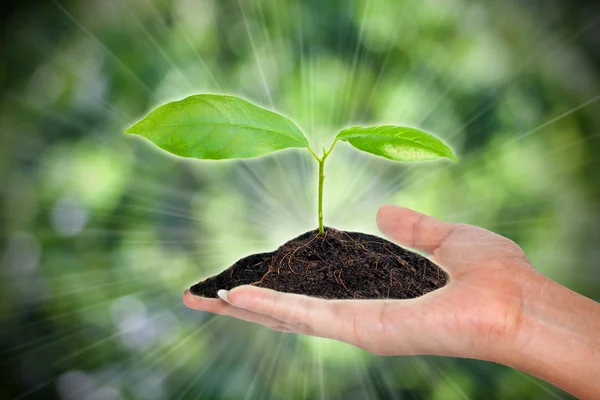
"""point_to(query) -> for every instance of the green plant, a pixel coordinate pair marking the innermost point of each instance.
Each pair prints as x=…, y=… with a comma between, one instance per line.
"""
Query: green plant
x=217, y=127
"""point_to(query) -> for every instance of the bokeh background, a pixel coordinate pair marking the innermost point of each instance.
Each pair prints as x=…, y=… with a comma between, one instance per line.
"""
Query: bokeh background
x=102, y=232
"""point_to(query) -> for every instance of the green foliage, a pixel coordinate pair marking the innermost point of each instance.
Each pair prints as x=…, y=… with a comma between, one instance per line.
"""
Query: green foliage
x=217, y=127
x=398, y=143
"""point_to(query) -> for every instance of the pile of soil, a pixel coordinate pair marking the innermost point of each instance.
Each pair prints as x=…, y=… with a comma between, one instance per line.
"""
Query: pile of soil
x=334, y=265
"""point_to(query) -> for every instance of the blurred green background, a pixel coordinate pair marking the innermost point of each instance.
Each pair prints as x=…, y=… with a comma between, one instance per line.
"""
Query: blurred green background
x=101, y=232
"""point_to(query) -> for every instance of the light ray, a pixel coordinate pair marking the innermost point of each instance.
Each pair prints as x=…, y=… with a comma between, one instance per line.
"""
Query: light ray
x=167, y=58
x=136, y=359
x=251, y=388
x=75, y=354
x=481, y=112
x=98, y=42
x=367, y=387
x=343, y=102
x=186, y=37
x=88, y=307
x=553, y=120
x=256, y=58
x=540, y=385
x=100, y=342
x=229, y=358
x=75, y=331
x=215, y=356
x=72, y=311
x=533, y=57
x=458, y=390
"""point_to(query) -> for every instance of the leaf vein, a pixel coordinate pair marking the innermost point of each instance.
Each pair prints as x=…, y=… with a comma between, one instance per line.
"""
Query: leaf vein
x=232, y=126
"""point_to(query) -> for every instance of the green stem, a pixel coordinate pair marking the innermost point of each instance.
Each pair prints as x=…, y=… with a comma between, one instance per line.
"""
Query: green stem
x=332, y=146
x=321, y=179
x=314, y=154
x=321, y=162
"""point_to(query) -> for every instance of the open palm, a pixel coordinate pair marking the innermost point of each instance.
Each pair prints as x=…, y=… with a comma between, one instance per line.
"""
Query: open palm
x=481, y=303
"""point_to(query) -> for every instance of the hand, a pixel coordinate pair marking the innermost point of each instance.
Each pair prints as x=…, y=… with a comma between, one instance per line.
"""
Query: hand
x=481, y=304
x=495, y=307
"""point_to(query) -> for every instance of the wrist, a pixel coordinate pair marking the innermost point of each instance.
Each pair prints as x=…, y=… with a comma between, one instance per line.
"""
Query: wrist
x=556, y=338
x=504, y=320
x=513, y=344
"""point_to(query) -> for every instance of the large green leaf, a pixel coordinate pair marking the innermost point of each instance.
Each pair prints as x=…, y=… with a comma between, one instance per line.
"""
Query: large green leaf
x=397, y=143
x=216, y=127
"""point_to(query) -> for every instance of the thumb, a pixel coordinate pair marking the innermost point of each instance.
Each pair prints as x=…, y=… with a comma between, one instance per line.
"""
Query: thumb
x=456, y=247
x=413, y=229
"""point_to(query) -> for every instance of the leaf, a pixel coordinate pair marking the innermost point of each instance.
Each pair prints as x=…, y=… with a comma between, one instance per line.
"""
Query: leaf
x=216, y=127
x=399, y=143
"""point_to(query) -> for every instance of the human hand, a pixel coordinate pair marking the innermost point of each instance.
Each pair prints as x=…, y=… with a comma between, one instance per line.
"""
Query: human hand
x=481, y=304
x=496, y=307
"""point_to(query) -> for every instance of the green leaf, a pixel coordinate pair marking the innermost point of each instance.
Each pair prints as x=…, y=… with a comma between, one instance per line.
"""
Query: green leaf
x=399, y=143
x=216, y=127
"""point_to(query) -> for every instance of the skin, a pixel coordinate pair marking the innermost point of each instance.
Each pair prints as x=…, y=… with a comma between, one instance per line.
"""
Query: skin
x=496, y=307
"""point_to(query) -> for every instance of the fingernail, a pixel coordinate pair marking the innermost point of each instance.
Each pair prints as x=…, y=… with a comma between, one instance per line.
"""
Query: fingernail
x=223, y=294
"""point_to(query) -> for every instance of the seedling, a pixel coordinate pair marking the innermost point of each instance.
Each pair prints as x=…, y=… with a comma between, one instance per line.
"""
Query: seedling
x=217, y=127
x=326, y=262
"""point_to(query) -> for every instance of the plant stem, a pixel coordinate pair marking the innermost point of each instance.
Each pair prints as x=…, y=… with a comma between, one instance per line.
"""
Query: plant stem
x=321, y=162
x=314, y=154
x=321, y=179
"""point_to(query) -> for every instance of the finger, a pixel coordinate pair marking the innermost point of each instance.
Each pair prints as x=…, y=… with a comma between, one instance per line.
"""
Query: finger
x=218, y=306
x=314, y=316
x=413, y=229
x=374, y=325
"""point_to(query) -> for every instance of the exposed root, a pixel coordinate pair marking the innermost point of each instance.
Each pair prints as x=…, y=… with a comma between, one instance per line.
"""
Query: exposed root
x=313, y=264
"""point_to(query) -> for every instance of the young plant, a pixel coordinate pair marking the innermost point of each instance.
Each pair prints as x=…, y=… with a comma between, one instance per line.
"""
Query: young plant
x=217, y=127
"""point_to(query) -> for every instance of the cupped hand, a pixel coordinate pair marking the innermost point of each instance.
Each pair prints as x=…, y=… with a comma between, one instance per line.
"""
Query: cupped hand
x=479, y=309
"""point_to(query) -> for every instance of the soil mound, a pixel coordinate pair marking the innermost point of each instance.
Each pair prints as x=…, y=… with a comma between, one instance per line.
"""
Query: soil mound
x=336, y=265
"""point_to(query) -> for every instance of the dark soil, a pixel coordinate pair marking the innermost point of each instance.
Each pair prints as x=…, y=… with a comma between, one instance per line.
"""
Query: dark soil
x=336, y=265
